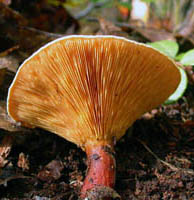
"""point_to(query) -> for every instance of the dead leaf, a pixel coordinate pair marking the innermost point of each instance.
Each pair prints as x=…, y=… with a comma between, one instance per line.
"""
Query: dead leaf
x=8, y=51
x=155, y=34
x=23, y=162
x=8, y=14
x=151, y=34
x=108, y=28
x=5, y=148
x=52, y=171
x=29, y=39
x=188, y=123
x=186, y=29
x=2, y=73
x=10, y=63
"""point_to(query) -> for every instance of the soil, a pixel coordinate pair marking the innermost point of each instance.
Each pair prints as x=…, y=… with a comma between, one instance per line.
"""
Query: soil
x=155, y=160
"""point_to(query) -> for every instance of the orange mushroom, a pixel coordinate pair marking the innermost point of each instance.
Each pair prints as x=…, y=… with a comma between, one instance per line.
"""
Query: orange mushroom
x=89, y=90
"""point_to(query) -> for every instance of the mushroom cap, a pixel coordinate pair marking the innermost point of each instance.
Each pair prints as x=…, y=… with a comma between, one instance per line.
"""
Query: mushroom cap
x=90, y=89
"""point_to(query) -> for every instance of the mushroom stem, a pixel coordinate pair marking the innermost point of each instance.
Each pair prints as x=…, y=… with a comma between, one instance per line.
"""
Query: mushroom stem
x=101, y=168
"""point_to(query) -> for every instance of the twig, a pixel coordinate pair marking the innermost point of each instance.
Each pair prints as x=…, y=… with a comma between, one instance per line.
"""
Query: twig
x=129, y=26
x=173, y=168
x=8, y=51
x=48, y=34
x=4, y=182
x=187, y=25
x=88, y=9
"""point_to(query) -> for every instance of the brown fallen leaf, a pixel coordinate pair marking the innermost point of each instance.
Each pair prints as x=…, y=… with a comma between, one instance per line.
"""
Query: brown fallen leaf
x=7, y=62
x=51, y=171
x=151, y=34
x=155, y=34
x=23, y=162
x=2, y=73
x=5, y=148
x=46, y=16
x=188, y=123
x=10, y=15
x=10, y=63
x=8, y=51
x=186, y=28
x=29, y=39
x=17, y=30
x=108, y=28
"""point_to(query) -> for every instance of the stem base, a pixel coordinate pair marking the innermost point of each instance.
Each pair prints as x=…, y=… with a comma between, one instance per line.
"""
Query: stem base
x=101, y=168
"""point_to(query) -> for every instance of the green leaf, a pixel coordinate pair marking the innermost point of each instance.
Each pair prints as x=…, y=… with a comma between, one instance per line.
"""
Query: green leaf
x=179, y=56
x=168, y=47
x=72, y=3
x=125, y=4
x=54, y=2
x=148, y=1
x=188, y=58
x=180, y=89
x=94, y=1
x=108, y=3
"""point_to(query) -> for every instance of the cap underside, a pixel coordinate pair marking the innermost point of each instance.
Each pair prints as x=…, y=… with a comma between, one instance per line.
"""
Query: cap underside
x=90, y=89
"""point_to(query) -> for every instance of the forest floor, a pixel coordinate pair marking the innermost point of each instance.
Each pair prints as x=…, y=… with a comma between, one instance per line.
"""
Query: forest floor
x=155, y=158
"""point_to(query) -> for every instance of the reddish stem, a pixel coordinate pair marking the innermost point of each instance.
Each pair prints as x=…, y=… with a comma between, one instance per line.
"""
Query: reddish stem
x=101, y=168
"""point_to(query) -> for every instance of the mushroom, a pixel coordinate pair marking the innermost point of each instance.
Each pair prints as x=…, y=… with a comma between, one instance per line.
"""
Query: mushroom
x=89, y=90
